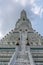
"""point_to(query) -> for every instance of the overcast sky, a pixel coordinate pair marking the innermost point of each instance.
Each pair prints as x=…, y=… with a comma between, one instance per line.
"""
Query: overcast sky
x=10, y=12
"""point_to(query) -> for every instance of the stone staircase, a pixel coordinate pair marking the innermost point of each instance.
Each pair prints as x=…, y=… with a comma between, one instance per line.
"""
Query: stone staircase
x=22, y=58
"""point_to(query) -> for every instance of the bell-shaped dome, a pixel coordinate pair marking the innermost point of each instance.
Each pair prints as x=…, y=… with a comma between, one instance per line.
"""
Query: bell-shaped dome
x=23, y=20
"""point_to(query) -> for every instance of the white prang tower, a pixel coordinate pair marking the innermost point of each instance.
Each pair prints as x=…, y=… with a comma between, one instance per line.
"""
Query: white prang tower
x=22, y=54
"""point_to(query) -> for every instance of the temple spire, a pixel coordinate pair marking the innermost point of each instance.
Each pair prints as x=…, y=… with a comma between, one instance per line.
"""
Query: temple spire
x=23, y=14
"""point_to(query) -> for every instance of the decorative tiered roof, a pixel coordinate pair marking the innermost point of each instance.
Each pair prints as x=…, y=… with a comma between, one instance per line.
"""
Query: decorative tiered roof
x=22, y=24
